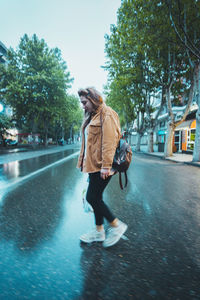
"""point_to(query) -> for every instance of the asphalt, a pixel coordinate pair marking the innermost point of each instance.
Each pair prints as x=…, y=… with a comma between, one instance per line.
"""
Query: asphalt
x=41, y=257
x=13, y=154
x=8, y=155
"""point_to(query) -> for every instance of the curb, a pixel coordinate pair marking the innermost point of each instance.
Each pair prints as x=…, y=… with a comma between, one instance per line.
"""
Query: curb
x=194, y=164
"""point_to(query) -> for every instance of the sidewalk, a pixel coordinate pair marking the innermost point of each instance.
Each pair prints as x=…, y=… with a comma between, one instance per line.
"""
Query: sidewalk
x=176, y=157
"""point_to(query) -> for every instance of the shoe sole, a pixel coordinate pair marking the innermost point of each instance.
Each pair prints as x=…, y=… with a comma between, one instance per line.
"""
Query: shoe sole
x=86, y=242
x=117, y=240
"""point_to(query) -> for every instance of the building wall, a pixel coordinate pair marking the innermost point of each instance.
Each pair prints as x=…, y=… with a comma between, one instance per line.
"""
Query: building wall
x=3, y=53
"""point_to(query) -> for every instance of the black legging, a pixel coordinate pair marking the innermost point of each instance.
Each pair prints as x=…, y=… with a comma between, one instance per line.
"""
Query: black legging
x=95, y=198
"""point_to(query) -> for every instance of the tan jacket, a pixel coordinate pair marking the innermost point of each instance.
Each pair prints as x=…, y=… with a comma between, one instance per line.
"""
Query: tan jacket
x=98, y=157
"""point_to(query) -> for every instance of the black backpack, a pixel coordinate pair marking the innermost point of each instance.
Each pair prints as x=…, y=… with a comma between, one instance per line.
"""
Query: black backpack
x=122, y=160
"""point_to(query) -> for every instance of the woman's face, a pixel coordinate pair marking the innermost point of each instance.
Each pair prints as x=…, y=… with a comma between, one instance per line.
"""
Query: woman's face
x=87, y=104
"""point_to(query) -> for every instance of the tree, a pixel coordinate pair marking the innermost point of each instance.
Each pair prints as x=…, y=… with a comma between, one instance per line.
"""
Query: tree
x=126, y=71
x=35, y=84
x=130, y=57
x=185, y=20
x=5, y=124
x=68, y=122
x=72, y=116
x=118, y=98
x=143, y=47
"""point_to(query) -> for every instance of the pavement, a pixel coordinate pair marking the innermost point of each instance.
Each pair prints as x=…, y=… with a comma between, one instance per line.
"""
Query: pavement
x=8, y=155
x=176, y=157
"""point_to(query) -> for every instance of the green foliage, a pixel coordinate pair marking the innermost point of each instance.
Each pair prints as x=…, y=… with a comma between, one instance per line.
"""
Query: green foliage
x=119, y=99
x=72, y=114
x=35, y=84
x=5, y=124
x=144, y=55
x=185, y=20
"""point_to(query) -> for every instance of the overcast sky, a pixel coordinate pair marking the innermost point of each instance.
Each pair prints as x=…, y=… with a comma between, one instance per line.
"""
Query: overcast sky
x=76, y=27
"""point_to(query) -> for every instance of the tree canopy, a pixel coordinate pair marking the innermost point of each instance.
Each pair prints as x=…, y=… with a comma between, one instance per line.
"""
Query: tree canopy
x=145, y=55
x=35, y=84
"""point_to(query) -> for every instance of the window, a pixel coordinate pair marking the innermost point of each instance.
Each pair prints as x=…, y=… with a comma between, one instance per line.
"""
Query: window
x=177, y=140
x=161, y=138
x=191, y=139
x=162, y=124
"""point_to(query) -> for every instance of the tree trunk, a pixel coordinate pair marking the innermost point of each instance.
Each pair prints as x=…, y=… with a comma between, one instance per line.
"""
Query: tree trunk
x=140, y=129
x=3, y=140
x=169, y=139
x=56, y=138
x=71, y=133
x=154, y=122
x=46, y=139
x=46, y=133
x=168, y=151
x=150, y=141
x=196, y=153
x=46, y=136
x=34, y=130
x=139, y=137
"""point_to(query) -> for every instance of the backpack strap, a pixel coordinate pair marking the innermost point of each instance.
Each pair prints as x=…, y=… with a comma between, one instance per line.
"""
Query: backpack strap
x=101, y=122
x=120, y=180
x=120, y=174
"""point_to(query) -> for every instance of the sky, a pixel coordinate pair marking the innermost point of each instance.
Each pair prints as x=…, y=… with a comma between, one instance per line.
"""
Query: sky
x=76, y=27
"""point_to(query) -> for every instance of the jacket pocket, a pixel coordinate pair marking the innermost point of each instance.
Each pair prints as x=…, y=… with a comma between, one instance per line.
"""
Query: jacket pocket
x=94, y=130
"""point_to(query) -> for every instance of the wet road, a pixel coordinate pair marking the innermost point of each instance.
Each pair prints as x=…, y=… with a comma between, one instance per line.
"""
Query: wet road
x=41, y=219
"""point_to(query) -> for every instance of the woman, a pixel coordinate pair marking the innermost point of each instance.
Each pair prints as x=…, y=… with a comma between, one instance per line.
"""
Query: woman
x=100, y=137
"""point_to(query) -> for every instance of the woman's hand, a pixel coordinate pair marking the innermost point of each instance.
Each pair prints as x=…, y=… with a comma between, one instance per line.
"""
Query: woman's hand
x=105, y=173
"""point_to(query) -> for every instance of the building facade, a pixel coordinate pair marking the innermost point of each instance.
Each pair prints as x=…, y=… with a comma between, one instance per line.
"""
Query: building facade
x=184, y=135
x=3, y=53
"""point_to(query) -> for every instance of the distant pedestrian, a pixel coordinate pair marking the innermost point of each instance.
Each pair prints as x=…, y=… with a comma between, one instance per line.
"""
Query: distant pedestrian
x=100, y=137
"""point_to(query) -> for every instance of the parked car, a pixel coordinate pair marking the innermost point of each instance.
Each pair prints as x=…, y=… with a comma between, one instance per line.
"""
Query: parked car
x=10, y=142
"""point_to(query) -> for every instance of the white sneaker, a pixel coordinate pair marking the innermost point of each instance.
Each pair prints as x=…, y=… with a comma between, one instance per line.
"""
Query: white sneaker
x=93, y=236
x=114, y=234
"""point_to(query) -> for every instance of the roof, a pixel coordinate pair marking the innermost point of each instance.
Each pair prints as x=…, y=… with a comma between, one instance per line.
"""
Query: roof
x=184, y=125
x=164, y=116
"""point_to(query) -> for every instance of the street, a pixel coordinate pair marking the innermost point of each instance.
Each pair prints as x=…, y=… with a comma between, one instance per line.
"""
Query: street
x=41, y=219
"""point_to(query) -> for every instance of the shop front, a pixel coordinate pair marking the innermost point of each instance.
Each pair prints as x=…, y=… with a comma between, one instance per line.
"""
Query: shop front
x=184, y=136
x=161, y=140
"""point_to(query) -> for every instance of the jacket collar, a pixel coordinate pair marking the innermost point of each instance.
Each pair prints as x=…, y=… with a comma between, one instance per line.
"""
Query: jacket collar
x=99, y=109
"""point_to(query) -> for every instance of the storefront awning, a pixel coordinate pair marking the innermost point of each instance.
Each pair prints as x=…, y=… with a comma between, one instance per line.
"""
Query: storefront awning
x=184, y=125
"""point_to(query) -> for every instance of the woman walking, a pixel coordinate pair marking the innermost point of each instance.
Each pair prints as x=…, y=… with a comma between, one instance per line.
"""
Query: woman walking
x=100, y=137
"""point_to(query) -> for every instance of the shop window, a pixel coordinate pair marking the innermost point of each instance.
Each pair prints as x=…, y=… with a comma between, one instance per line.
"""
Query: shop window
x=161, y=139
x=177, y=140
x=191, y=139
x=162, y=124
